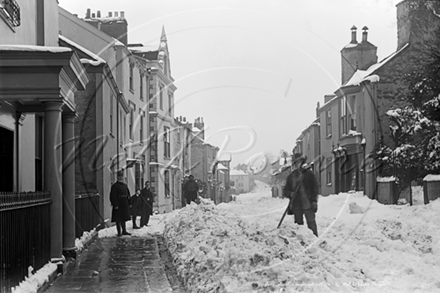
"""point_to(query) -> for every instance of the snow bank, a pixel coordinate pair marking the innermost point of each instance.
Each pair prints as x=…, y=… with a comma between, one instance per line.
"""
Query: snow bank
x=35, y=281
x=235, y=247
x=219, y=252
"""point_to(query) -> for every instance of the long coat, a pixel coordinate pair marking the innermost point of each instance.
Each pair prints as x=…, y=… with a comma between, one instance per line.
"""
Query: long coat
x=146, y=202
x=135, y=203
x=119, y=195
x=302, y=187
x=190, y=189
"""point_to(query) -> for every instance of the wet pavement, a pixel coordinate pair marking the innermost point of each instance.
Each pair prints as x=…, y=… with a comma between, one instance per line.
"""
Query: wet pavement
x=117, y=264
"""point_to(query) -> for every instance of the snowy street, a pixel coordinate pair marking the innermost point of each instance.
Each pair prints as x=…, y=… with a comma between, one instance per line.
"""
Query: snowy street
x=363, y=246
x=235, y=247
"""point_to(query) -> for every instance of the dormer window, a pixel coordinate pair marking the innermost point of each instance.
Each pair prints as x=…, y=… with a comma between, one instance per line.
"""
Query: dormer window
x=10, y=12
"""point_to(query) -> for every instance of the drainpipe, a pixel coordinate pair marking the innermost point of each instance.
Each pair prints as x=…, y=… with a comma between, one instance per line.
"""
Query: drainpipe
x=117, y=131
x=17, y=150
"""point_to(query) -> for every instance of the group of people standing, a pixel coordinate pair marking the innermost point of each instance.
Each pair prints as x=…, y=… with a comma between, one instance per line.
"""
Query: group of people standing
x=140, y=204
x=124, y=205
x=301, y=188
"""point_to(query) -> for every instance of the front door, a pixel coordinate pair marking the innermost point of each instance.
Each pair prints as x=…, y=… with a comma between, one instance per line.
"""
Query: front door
x=6, y=160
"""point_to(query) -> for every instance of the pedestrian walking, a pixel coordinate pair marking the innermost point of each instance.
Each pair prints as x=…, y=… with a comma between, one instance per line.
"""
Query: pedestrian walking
x=146, y=206
x=302, y=190
x=190, y=190
x=135, y=205
x=119, y=195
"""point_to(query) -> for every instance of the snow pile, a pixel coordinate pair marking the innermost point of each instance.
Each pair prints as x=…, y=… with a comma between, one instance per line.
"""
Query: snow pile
x=215, y=250
x=85, y=238
x=235, y=247
x=34, y=281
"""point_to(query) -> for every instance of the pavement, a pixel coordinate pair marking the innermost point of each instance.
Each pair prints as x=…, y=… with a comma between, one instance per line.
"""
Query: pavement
x=117, y=264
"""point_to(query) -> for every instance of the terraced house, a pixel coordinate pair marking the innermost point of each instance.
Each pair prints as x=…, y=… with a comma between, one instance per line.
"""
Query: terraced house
x=353, y=119
x=112, y=126
x=165, y=174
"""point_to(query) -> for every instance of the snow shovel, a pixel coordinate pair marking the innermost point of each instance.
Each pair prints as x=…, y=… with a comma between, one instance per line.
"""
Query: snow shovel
x=291, y=198
x=284, y=215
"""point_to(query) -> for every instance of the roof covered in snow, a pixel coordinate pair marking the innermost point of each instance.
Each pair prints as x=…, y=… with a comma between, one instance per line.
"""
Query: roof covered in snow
x=237, y=172
x=97, y=60
x=362, y=75
x=31, y=48
x=143, y=49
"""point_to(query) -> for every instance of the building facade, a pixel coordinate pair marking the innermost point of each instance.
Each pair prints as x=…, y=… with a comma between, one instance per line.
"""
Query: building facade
x=163, y=172
x=353, y=120
x=242, y=181
x=112, y=122
x=38, y=82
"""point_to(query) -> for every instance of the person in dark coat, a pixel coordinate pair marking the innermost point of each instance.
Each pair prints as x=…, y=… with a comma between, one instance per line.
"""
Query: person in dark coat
x=146, y=207
x=135, y=205
x=119, y=195
x=190, y=189
x=302, y=189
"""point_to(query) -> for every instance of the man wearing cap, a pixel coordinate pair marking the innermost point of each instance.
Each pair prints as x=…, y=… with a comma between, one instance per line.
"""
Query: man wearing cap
x=302, y=189
x=119, y=195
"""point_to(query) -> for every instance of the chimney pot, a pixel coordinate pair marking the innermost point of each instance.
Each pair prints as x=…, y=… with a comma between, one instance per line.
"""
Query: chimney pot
x=93, y=15
x=122, y=14
x=116, y=14
x=98, y=14
x=353, y=35
x=88, y=13
x=364, y=34
x=110, y=14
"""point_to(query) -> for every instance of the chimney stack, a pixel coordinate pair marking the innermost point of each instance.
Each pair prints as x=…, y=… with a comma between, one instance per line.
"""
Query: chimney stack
x=88, y=13
x=353, y=35
x=98, y=14
x=364, y=34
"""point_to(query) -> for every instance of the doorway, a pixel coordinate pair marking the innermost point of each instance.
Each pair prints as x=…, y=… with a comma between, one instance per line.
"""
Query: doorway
x=6, y=160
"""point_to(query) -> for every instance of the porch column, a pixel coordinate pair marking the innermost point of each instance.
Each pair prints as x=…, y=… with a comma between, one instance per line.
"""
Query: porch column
x=69, y=248
x=52, y=175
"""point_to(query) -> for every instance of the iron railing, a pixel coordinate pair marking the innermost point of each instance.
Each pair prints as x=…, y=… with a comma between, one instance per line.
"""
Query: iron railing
x=24, y=234
x=87, y=214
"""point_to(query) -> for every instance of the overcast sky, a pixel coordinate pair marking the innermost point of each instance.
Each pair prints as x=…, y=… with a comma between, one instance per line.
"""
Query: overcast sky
x=253, y=69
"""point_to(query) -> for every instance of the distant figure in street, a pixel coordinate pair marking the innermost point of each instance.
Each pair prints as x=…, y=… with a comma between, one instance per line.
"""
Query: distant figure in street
x=135, y=205
x=302, y=189
x=119, y=195
x=146, y=207
x=190, y=189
